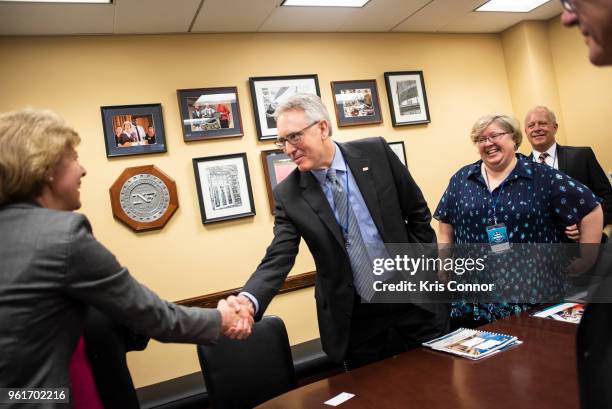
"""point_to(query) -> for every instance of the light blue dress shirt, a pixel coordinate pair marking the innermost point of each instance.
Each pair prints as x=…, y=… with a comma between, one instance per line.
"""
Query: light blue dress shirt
x=369, y=233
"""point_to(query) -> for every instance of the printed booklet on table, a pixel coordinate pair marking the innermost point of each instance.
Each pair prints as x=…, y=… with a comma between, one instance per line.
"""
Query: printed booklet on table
x=472, y=344
x=566, y=312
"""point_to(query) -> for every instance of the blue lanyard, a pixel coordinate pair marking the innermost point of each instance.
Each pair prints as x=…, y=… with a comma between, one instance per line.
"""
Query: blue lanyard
x=494, y=202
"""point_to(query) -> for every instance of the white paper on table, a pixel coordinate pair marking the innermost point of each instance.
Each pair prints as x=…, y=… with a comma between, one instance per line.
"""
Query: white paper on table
x=554, y=309
x=338, y=399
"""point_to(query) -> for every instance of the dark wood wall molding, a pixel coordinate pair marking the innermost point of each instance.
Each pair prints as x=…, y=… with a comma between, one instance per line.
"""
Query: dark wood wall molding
x=292, y=283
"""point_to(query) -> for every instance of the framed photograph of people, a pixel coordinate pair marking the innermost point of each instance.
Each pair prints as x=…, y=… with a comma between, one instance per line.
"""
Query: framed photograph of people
x=209, y=113
x=356, y=102
x=407, y=98
x=224, y=187
x=133, y=129
x=267, y=92
x=277, y=166
x=399, y=149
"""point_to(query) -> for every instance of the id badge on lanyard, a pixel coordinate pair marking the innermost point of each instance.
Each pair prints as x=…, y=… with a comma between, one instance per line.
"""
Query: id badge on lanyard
x=497, y=233
x=498, y=238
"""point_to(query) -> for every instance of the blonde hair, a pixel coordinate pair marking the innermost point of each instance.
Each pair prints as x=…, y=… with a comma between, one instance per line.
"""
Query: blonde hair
x=31, y=143
x=505, y=122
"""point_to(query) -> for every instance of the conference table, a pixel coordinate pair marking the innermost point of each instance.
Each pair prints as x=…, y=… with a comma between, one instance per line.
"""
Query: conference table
x=540, y=373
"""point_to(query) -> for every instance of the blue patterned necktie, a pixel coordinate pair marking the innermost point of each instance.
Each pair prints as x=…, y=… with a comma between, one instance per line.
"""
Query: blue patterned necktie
x=361, y=264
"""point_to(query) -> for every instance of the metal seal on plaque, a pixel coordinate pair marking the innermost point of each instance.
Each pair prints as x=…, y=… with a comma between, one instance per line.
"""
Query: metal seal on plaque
x=144, y=198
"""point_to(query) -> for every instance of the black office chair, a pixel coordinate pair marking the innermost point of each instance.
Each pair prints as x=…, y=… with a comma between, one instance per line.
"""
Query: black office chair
x=241, y=374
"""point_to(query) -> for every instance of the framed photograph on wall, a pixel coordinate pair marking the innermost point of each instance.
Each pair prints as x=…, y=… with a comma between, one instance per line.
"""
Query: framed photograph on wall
x=407, y=98
x=267, y=92
x=277, y=166
x=209, y=113
x=224, y=187
x=399, y=149
x=133, y=129
x=356, y=102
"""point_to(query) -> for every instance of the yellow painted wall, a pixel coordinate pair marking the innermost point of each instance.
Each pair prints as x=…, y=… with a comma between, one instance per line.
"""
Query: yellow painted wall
x=531, y=72
x=465, y=77
x=585, y=93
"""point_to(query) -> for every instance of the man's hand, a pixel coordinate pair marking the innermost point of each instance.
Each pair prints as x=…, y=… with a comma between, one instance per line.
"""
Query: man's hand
x=242, y=306
x=572, y=232
x=229, y=316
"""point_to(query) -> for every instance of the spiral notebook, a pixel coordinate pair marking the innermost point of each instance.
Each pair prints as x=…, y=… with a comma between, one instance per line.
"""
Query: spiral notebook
x=472, y=343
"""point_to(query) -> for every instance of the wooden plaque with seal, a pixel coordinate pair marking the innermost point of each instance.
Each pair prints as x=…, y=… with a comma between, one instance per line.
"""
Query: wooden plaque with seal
x=144, y=198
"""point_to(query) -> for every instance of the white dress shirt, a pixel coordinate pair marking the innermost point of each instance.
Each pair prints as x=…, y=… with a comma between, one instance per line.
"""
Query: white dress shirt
x=551, y=160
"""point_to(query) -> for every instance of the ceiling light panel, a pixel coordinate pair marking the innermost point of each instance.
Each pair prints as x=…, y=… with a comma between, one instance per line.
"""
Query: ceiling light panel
x=511, y=6
x=325, y=3
x=58, y=1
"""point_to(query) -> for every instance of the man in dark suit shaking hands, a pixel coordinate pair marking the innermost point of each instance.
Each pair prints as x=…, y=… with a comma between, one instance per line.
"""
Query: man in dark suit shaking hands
x=578, y=162
x=346, y=200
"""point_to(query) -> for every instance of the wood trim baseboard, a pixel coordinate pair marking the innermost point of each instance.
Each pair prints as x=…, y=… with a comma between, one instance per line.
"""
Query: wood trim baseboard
x=293, y=283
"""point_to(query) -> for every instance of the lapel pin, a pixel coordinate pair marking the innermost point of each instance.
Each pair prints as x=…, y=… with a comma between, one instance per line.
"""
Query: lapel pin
x=365, y=169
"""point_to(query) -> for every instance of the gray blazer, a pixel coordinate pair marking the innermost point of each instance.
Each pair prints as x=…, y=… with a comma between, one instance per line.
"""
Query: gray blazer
x=51, y=269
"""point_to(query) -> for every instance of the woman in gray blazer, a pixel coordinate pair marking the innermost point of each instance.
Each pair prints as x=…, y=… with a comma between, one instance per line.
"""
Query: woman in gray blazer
x=53, y=268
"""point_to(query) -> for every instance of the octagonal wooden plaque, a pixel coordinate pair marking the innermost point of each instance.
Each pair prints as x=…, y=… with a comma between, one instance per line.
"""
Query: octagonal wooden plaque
x=144, y=198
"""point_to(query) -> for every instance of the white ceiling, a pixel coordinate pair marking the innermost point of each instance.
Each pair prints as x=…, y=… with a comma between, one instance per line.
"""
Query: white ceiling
x=201, y=16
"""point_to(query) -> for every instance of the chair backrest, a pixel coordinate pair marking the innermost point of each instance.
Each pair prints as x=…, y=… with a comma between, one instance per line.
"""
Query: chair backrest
x=244, y=373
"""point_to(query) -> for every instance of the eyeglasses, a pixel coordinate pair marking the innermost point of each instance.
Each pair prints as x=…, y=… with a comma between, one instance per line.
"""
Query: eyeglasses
x=492, y=138
x=568, y=5
x=294, y=137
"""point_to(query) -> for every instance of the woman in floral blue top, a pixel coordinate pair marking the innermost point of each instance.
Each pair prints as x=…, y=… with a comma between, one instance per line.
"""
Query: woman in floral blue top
x=505, y=198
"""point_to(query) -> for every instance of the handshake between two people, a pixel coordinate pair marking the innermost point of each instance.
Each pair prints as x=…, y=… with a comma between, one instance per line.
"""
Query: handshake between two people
x=237, y=314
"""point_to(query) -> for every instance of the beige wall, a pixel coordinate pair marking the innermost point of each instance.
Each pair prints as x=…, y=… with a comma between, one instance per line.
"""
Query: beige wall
x=547, y=64
x=531, y=73
x=585, y=93
x=465, y=76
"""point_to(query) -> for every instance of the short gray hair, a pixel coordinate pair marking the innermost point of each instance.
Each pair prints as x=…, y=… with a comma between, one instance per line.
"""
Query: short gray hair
x=505, y=122
x=311, y=104
x=551, y=115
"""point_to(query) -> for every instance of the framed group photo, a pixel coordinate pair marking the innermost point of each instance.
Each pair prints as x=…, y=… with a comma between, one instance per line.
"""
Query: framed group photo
x=356, y=102
x=133, y=129
x=209, y=113
x=224, y=187
x=267, y=92
x=277, y=166
x=407, y=98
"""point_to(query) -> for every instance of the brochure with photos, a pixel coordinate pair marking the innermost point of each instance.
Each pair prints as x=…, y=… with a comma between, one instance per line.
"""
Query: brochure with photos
x=472, y=344
x=566, y=312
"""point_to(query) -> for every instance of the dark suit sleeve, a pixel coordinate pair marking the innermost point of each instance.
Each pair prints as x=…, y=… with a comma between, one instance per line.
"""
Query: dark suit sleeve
x=278, y=261
x=414, y=208
x=600, y=185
